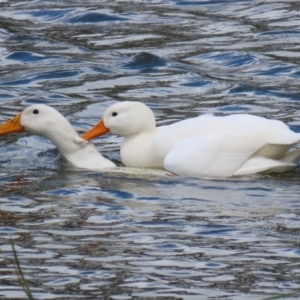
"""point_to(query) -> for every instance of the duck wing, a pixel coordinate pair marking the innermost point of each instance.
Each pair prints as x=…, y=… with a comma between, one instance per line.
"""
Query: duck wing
x=223, y=154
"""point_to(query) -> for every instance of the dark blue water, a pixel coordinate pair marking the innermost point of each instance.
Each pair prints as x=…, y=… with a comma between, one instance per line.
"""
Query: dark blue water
x=93, y=235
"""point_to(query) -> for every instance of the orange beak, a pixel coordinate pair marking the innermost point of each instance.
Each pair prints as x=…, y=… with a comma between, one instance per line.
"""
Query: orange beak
x=97, y=130
x=11, y=126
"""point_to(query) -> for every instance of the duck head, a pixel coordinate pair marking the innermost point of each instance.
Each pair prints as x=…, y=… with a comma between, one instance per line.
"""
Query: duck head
x=124, y=118
x=39, y=119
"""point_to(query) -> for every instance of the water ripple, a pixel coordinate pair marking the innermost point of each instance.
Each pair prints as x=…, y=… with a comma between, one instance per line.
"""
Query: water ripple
x=84, y=234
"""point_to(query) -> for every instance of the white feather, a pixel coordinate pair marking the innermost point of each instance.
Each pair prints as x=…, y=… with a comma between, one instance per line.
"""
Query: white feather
x=207, y=145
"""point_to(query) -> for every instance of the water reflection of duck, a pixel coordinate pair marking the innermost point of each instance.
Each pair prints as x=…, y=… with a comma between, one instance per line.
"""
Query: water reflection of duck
x=43, y=120
x=207, y=145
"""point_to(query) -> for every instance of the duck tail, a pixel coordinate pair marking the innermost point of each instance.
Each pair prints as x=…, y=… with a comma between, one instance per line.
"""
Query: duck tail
x=292, y=156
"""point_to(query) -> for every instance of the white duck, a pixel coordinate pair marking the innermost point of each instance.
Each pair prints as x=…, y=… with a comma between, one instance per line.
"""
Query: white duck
x=205, y=146
x=45, y=121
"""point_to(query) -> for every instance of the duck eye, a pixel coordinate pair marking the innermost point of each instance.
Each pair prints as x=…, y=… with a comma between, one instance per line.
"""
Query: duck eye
x=35, y=112
x=114, y=114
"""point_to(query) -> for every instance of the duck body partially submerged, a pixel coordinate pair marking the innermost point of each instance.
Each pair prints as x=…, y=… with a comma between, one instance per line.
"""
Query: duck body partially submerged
x=204, y=146
x=45, y=121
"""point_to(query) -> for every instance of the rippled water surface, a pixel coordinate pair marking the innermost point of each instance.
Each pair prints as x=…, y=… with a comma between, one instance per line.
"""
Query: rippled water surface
x=93, y=235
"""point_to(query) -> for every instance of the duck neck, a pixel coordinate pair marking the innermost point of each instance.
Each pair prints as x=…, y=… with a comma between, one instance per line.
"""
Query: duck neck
x=65, y=138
